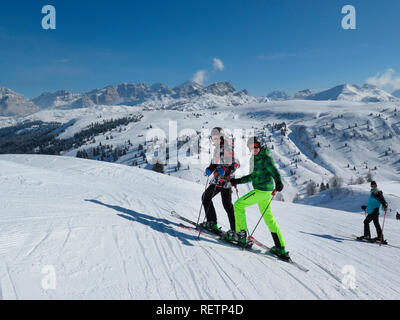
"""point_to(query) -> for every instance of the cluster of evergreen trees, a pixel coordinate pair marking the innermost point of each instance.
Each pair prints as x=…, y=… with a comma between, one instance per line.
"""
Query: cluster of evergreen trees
x=41, y=137
x=103, y=153
x=27, y=137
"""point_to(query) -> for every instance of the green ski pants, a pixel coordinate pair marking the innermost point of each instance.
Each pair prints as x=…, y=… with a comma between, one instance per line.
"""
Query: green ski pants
x=263, y=199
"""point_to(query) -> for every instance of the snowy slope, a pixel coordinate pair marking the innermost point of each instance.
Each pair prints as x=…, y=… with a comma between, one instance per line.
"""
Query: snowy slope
x=106, y=231
x=351, y=198
x=323, y=138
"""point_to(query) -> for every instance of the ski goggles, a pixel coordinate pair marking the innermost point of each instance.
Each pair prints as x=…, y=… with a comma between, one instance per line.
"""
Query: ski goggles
x=254, y=146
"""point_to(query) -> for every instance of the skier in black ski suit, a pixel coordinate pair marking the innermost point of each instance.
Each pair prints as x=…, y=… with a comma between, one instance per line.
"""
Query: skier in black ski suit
x=375, y=202
x=222, y=166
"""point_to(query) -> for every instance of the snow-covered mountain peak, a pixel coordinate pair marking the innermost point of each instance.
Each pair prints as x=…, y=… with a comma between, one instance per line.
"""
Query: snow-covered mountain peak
x=4, y=91
x=365, y=93
x=278, y=95
x=14, y=104
x=220, y=88
x=303, y=94
x=189, y=88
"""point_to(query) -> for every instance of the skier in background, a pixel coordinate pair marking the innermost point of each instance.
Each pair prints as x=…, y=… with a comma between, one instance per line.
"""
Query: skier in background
x=375, y=202
x=222, y=165
x=263, y=173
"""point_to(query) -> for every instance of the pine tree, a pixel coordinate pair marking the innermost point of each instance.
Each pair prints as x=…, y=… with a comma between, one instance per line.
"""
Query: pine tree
x=158, y=167
x=311, y=188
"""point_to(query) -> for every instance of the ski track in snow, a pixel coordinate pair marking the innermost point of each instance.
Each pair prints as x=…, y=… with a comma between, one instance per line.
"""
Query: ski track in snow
x=109, y=236
x=122, y=261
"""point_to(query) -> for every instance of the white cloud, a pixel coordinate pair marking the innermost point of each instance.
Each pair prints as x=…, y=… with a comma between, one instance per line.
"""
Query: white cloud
x=218, y=64
x=386, y=80
x=200, y=76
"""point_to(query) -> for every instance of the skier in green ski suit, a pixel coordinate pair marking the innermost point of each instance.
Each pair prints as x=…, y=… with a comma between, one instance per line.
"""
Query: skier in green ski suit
x=263, y=173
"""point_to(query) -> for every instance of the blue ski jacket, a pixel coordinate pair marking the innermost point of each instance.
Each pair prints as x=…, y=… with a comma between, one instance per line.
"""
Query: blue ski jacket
x=376, y=201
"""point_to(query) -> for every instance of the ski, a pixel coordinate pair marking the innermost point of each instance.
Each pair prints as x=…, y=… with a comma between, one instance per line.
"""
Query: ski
x=214, y=236
x=196, y=229
x=233, y=244
x=354, y=237
x=261, y=245
x=176, y=215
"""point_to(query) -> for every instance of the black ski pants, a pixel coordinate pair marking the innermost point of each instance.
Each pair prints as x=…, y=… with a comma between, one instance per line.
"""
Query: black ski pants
x=226, y=196
x=374, y=216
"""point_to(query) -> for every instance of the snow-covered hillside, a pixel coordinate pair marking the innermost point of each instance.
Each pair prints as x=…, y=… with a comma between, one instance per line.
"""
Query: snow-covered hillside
x=351, y=198
x=104, y=232
x=316, y=139
x=366, y=93
x=345, y=92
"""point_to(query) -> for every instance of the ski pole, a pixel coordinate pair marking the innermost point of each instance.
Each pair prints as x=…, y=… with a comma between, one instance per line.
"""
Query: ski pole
x=205, y=212
x=198, y=218
x=237, y=191
x=205, y=189
x=273, y=196
x=383, y=226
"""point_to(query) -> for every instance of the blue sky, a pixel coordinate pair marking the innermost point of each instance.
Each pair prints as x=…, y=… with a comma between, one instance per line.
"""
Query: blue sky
x=264, y=45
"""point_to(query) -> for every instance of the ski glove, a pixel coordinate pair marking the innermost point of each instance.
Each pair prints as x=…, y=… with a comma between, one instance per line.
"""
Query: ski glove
x=235, y=182
x=364, y=208
x=279, y=186
x=221, y=172
x=208, y=172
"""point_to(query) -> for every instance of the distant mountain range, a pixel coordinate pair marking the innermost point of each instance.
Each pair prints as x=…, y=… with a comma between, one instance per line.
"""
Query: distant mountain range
x=131, y=94
x=187, y=96
x=345, y=92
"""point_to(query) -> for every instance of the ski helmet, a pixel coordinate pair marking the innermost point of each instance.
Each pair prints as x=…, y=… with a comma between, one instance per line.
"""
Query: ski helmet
x=217, y=131
x=254, y=141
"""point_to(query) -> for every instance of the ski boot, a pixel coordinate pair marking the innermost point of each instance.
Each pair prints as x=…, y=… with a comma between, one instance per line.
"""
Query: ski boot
x=230, y=236
x=378, y=240
x=239, y=238
x=243, y=241
x=211, y=226
x=364, y=238
x=280, y=252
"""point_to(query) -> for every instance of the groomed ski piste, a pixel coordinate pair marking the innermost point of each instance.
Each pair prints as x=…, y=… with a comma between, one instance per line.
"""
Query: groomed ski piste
x=104, y=231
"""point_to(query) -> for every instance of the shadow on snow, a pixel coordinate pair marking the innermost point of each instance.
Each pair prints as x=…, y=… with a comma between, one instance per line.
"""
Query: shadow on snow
x=157, y=224
x=326, y=236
